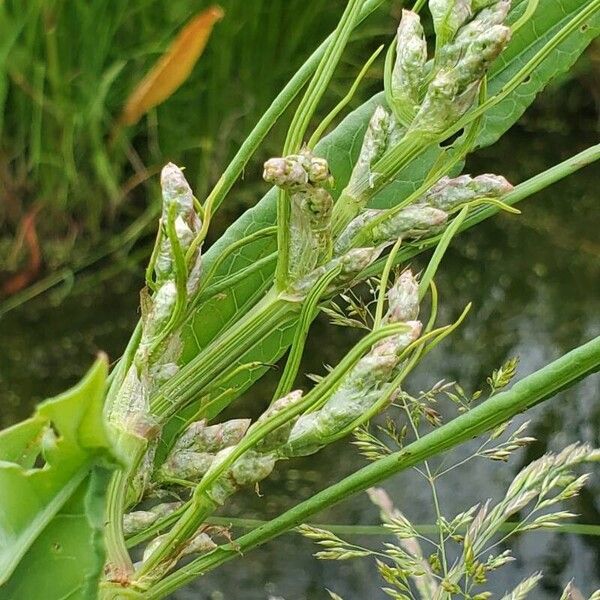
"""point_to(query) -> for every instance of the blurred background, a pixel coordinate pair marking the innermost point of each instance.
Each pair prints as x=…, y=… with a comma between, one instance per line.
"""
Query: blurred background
x=78, y=204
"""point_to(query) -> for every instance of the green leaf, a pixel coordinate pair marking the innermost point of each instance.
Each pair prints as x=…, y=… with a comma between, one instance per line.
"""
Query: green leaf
x=53, y=474
x=341, y=148
x=550, y=17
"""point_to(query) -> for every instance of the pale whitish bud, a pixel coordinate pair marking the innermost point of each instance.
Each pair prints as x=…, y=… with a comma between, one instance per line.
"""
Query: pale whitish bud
x=199, y=544
x=176, y=190
x=400, y=341
x=403, y=299
x=178, y=197
x=184, y=234
x=356, y=260
x=285, y=172
x=450, y=193
x=345, y=239
x=352, y=262
x=454, y=87
x=409, y=223
x=480, y=52
x=373, y=146
x=152, y=546
x=296, y=170
x=252, y=467
x=409, y=68
x=201, y=437
x=139, y=520
x=359, y=391
x=186, y=465
x=318, y=171
x=448, y=17
x=163, y=303
x=279, y=435
x=442, y=105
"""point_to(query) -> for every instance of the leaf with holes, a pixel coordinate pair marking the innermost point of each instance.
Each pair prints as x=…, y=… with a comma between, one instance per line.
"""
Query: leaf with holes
x=53, y=474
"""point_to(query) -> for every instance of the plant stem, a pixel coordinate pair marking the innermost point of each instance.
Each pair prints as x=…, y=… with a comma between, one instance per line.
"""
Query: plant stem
x=302, y=117
x=537, y=387
x=272, y=312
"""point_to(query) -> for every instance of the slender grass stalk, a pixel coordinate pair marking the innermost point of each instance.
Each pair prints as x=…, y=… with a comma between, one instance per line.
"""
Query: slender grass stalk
x=585, y=529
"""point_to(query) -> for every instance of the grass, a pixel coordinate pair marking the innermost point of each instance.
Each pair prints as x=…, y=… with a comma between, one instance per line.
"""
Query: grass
x=65, y=72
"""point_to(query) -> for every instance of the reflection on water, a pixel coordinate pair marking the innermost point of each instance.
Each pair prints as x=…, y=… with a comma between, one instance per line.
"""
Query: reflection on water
x=534, y=283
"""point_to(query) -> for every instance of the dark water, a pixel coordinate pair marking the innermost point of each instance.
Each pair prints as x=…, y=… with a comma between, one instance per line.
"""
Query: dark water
x=534, y=281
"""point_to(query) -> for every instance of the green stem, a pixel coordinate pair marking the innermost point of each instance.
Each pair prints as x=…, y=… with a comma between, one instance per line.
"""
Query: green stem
x=381, y=530
x=528, y=392
x=302, y=328
x=297, y=130
x=215, y=360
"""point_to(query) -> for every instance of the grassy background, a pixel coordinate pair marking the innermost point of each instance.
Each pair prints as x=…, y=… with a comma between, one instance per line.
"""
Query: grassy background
x=66, y=69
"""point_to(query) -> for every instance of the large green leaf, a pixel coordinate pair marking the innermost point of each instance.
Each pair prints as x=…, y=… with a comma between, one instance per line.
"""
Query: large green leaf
x=53, y=475
x=550, y=17
x=341, y=148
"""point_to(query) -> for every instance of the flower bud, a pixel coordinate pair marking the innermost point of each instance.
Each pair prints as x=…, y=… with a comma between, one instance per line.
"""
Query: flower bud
x=411, y=222
x=200, y=437
x=462, y=66
x=409, y=69
x=176, y=190
x=448, y=17
x=449, y=193
x=137, y=521
x=178, y=198
x=318, y=171
x=403, y=299
x=199, y=544
x=346, y=238
x=279, y=435
x=286, y=172
x=186, y=465
x=360, y=389
x=163, y=303
x=373, y=146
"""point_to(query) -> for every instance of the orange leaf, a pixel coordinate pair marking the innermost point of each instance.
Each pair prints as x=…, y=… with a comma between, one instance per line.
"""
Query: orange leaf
x=173, y=67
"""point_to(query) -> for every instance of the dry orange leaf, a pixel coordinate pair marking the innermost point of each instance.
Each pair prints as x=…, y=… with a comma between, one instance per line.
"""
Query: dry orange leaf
x=173, y=67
